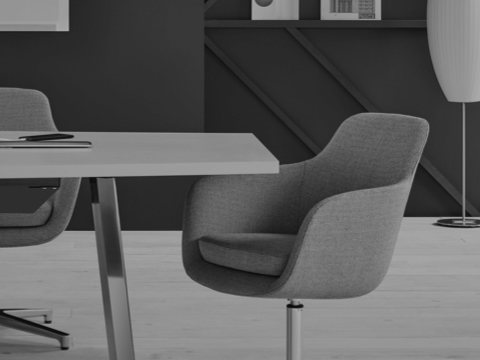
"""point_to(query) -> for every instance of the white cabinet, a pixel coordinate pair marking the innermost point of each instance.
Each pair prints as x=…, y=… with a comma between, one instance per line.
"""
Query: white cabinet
x=34, y=15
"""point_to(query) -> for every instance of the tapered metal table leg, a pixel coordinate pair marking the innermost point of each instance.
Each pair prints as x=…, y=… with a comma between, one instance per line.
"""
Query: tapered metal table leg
x=112, y=269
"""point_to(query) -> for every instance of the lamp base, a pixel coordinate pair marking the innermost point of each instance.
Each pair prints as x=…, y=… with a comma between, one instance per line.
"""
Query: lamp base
x=459, y=222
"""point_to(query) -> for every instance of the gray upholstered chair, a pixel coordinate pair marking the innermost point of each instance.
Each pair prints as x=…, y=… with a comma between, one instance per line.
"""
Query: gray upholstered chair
x=29, y=110
x=324, y=228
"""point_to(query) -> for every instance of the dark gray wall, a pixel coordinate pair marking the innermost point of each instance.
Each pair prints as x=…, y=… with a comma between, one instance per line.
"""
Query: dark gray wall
x=138, y=66
x=128, y=66
x=392, y=67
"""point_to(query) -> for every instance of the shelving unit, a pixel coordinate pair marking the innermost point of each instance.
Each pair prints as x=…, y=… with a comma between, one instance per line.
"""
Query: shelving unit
x=320, y=24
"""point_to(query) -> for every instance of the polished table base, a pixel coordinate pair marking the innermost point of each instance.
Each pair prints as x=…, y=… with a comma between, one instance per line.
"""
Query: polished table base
x=112, y=269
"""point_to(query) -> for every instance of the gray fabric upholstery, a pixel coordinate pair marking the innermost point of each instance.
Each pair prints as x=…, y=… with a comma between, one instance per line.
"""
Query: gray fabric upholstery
x=344, y=207
x=25, y=110
x=265, y=254
x=38, y=218
x=29, y=110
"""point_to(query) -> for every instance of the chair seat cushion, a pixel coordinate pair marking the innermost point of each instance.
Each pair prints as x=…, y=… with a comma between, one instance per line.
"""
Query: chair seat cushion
x=265, y=254
x=38, y=218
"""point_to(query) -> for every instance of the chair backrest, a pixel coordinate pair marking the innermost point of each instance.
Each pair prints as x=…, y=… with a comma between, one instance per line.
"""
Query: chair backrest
x=353, y=199
x=368, y=150
x=25, y=110
x=29, y=110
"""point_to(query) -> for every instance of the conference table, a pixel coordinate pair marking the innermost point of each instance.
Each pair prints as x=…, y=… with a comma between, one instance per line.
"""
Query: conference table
x=124, y=155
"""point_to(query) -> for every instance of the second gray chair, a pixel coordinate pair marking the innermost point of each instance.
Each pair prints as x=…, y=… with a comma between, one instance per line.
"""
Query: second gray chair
x=325, y=228
x=29, y=110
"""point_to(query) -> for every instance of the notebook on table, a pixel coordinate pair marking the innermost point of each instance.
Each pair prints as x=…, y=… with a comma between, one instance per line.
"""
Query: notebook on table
x=44, y=144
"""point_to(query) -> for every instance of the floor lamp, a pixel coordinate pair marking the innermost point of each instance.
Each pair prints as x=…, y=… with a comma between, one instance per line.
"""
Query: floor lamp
x=454, y=41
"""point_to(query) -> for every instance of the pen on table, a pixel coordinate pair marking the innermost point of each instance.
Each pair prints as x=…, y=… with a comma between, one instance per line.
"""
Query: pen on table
x=41, y=137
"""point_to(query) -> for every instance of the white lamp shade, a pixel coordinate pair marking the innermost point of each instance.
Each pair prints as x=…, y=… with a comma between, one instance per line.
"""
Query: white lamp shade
x=454, y=40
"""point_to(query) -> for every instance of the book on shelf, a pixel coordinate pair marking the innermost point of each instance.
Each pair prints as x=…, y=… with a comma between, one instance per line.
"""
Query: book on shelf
x=351, y=10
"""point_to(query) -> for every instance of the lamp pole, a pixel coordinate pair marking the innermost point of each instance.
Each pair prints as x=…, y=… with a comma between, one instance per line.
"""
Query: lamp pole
x=464, y=190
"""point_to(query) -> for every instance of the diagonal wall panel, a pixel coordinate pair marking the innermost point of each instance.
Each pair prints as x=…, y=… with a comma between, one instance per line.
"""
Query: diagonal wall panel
x=368, y=105
x=262, y=96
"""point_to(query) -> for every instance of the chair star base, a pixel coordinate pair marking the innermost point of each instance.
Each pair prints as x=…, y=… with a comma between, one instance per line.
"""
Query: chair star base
x=459, y=222
x=14, y=319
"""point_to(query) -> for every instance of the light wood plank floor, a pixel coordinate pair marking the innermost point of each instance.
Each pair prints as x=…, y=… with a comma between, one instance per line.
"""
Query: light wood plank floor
x=428, y=306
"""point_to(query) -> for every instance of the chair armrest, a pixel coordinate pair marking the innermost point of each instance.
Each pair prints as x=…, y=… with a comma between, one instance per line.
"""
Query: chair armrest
x=63, y=204
x=345, y=244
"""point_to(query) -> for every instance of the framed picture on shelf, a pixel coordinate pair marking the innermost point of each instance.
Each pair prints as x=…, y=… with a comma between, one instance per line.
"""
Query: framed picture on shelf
x=351, y=10
x=275, y=9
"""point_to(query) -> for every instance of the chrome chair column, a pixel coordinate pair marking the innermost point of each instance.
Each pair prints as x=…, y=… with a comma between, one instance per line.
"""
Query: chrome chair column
x=112, y=268
x=294, y=330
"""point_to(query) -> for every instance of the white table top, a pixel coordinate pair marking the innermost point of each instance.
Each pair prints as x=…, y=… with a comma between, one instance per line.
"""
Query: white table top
x=140, y=154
